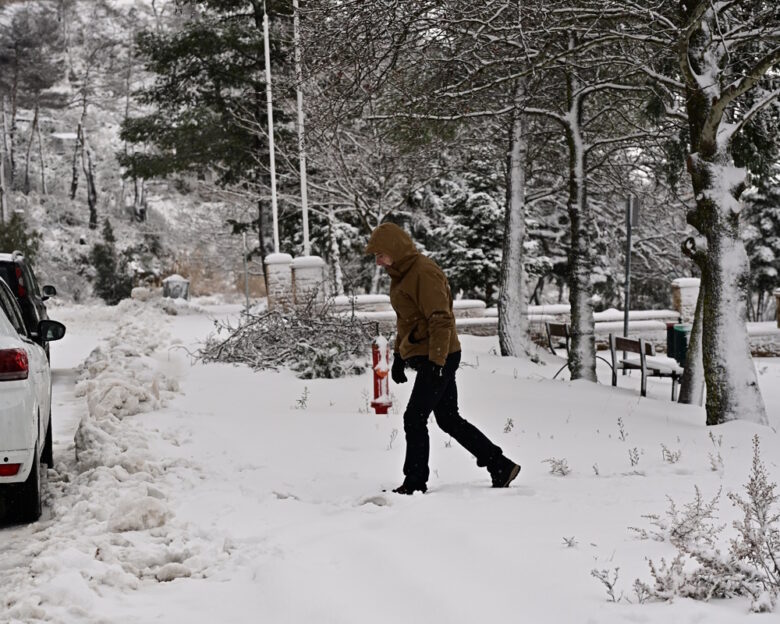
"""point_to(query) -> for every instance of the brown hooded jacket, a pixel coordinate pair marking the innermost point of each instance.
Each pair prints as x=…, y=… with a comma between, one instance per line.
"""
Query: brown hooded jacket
x=420, y=296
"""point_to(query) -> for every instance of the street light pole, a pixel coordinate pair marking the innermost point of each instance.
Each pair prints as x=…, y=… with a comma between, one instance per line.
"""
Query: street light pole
x=269, y=100
x=626, y=304
x=301, y=136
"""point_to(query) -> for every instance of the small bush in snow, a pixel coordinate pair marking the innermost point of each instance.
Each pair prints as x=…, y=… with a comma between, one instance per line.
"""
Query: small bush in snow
x=700, y=570
x=608, y=580
x=558, y=466
x=509, y=425
x=716, y=461
x=670, y=457
x=622, y=434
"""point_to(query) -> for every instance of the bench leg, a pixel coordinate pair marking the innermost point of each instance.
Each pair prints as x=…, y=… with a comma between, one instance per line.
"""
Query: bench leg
x=674, y=388
x=560, y=369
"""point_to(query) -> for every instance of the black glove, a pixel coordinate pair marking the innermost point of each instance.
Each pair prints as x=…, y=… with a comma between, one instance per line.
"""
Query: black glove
x=397, y=371
x=437, y=371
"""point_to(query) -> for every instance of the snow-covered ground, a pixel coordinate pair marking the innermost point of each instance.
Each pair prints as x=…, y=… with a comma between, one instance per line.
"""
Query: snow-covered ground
x=185, y=492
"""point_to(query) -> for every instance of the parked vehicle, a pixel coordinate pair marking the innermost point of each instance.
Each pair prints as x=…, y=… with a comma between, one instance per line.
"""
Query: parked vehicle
x=20, y=277
x=25, y=409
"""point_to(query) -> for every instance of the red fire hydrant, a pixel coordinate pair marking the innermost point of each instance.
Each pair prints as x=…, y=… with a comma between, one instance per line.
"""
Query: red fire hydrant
x=380, y=352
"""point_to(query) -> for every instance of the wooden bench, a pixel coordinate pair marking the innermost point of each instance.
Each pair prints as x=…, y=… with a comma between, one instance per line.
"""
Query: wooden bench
x=562, y=330
x=643, y=359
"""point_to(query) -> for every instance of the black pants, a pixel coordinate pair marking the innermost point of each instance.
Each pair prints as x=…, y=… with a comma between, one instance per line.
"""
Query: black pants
x=440, y=397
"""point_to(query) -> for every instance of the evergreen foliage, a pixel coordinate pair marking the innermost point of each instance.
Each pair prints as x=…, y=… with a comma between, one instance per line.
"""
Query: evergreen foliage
x=207, y=107
x=15, y=236
x=467, y=231
x=112, y=282
x=762, y=238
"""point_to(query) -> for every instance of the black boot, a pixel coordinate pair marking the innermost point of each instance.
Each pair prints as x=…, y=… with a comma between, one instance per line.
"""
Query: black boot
x=503, y=471
x=410, y=487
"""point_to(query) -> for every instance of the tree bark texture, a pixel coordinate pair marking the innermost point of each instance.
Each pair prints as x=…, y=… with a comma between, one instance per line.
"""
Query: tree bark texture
x=692, y=382
x=512, y=306
x=731, y=381
x=33, y=130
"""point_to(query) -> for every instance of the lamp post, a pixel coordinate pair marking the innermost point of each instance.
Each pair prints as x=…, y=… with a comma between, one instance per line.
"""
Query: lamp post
x=269, y=100
x=632, y=218
x=301, y=136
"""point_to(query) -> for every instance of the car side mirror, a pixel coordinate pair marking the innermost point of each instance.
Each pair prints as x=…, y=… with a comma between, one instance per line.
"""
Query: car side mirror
x=49, y=291
x=51, y=330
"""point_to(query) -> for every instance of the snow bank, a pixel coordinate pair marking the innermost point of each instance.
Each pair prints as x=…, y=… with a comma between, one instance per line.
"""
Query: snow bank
x=112, y=525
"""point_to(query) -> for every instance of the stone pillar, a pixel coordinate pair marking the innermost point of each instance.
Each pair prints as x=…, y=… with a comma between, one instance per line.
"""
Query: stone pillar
x=685, y=292
x=279, y=280
x=309, y=279
x=777, y=305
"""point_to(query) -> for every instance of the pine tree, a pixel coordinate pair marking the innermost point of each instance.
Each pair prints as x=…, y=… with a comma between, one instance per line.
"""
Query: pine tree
x=15, y=236
x=208, y=102
x=112, y=282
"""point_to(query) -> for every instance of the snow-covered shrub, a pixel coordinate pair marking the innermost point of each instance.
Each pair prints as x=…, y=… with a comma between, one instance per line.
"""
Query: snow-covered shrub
x=700, y=570
x=312, y=342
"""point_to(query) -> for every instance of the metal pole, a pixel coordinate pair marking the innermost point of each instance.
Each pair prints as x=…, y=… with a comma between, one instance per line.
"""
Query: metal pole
x=269, y=100
x=627, y=303
x=246, y=275
x=301, y=139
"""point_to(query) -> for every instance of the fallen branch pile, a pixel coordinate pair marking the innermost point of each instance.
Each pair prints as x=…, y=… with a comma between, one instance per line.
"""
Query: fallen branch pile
x=314, y=343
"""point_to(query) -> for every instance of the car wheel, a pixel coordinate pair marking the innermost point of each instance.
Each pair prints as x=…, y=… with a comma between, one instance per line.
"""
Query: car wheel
x=29, y=499
x=47, y=457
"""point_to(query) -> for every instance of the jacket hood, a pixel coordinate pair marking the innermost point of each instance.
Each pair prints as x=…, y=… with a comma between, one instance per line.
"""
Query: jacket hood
x=391, y=240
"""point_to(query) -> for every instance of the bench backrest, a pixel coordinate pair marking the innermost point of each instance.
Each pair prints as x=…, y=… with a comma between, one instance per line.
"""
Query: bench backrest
x=559, y=330
x=633, y=345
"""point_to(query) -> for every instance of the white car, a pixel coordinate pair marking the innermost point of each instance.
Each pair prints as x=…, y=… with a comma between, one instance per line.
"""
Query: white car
x=25, y=410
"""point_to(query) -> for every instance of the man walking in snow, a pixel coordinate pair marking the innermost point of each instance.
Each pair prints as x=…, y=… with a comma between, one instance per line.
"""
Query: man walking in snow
x=426, y=341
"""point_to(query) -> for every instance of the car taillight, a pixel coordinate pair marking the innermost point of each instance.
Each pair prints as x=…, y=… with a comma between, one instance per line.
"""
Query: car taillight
x=20, y=289
x=9, y=470
x=13, y=364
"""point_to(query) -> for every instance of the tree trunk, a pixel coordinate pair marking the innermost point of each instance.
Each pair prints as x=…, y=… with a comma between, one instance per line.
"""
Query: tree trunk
x=512, y=306
x=335, y=258
x=33, y=128
x=44, y=191
x=89, y=176
x=582, y=357
x=732, y=384
x=74, y=180
x=729, y=373
x=4, y=216
x=12, y=130
x=692, y=382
